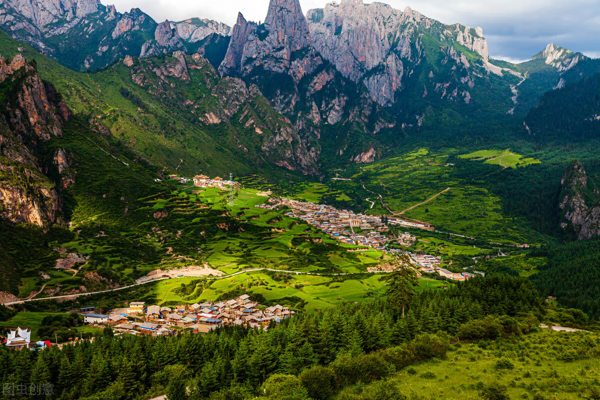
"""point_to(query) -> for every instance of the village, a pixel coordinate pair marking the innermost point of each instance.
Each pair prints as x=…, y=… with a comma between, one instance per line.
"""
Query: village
x=198, y=318
x=154, y=320
x=363, y=230
x=344, y=225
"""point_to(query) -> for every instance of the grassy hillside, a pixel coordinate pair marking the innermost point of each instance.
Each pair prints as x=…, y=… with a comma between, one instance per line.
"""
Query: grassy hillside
x=161, y=121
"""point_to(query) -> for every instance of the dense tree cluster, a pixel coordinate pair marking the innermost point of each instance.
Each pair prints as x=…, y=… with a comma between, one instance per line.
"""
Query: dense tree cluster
x=572, y=275
x=354, y=343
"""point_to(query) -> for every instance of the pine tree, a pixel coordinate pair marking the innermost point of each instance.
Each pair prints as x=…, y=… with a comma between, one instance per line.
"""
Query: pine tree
x=402, y=283
x=355, y=345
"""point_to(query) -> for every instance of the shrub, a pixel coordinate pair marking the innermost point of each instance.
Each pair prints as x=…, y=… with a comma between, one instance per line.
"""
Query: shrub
x=429, y=346
x=428, y=375
x=494, y=391
x=365, y=368
x=504, y=364
x=320, y=382
x=284, y=387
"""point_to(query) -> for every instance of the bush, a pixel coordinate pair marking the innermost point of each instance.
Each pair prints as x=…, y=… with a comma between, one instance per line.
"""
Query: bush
x=494, y=391
x=366, y=368
x=382, y=390
x=429, y=346
x=428, y=375
x=504, y=364
x=283, y=387
x=320, y=382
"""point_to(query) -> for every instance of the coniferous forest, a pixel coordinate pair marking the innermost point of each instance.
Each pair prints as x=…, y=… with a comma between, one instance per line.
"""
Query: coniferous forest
x=319, y=352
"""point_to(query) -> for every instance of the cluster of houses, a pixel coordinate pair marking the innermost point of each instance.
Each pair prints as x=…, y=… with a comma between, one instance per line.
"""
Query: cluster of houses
x=201, y=318
x=345, y=226
x=203, y=181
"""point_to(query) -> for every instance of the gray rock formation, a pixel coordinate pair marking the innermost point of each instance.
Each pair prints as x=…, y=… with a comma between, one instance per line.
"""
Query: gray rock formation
x=166, y=40
x=379, y=45
x=42, y=13
x=559, y=58
x=579, y=205
x=194, y=30
x=281, y=45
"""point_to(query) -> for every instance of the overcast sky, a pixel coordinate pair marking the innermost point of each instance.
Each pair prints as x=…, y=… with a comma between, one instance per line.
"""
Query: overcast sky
x=515, y=29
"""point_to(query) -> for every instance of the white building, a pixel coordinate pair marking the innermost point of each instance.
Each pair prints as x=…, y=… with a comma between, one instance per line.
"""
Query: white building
x=95, y=318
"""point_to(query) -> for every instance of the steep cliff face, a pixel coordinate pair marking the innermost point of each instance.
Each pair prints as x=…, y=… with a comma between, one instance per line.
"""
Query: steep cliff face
x=559, y=58
x=32, y=113
x=281, y=45
x=580, y=205
x=381, y=46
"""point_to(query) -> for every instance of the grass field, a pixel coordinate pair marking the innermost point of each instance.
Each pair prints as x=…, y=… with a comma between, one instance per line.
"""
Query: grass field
x=463, y=204
x=31, y=320
x=303, y=291
x=504, y=158
x=538, y=368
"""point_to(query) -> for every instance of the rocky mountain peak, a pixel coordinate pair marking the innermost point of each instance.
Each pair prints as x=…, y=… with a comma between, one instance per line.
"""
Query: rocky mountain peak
x=239, y=37
x=558, y=57
x=45, y=12
x=287, y=25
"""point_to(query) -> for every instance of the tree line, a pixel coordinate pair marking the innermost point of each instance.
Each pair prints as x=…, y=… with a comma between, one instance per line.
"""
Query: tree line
x=353, y=342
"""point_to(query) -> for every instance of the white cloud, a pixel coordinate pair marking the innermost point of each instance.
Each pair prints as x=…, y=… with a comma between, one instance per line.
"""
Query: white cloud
x=517, y=29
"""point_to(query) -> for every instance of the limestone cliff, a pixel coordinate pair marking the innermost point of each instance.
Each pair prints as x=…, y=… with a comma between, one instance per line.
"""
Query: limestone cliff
x=32, y=114
x=580, y=205
x=281, y=45
x=381, y=46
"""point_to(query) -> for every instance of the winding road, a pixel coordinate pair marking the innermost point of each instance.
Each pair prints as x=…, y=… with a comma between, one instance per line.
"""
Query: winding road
x=74, y=296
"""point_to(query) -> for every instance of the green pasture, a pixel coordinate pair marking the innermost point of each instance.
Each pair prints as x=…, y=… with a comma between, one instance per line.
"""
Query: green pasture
x=316, y=292
x=504, y=158
x=536, y=369
x=30, y=320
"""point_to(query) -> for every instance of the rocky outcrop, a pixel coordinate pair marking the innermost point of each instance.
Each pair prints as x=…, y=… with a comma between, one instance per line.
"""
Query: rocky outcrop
x=166, y=40
x=380, y=46
x=366, y=157
x=33, y=113
x=194, y=30
x=46, y=12
x=579, y=205
x=281, y=45
x=559, y=58
x=242, y=31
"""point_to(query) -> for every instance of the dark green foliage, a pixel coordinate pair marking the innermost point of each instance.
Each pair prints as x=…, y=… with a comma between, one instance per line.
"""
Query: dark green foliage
x=504, y=364
x=6, y=313
x=232, y=358
x=319, y=381
x=402, y=285
x=495, y=391
x=60, y=327
x=572, y=275
x=568, y=114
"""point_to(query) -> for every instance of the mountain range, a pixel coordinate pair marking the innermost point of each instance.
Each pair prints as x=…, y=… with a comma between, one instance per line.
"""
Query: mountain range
x=347, y=84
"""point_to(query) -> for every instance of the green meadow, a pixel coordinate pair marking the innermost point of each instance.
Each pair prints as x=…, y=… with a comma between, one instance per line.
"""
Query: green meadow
x=504, y=158
x=544, y=365
x=305, y=292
